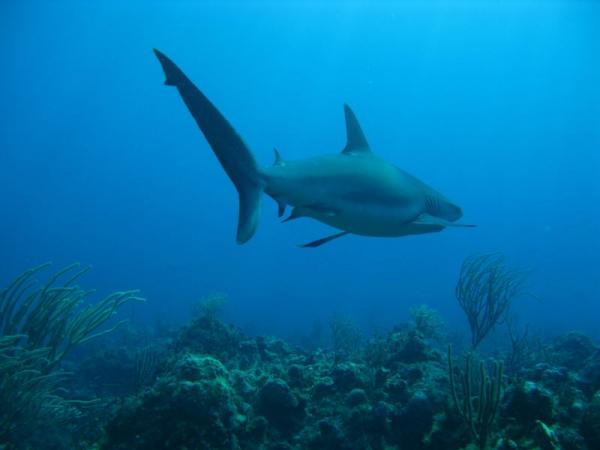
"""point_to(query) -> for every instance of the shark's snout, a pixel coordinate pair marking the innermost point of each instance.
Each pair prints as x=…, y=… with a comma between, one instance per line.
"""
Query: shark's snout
x=451, y=212
x=439, y=206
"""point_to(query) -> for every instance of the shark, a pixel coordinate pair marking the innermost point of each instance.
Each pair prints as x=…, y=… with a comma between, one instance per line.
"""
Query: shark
x=354, y=190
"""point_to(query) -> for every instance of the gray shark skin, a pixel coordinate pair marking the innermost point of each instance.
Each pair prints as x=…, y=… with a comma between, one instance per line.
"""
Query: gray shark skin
x=354, y=191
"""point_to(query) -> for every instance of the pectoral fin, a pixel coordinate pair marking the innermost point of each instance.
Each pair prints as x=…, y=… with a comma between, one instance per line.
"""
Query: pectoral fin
x=324, y=240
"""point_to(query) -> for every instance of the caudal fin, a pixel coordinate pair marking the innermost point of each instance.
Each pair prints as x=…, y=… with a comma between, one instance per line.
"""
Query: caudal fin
x=231, y=151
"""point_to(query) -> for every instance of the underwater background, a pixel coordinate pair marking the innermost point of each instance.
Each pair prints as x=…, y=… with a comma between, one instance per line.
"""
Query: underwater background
x=495, y=104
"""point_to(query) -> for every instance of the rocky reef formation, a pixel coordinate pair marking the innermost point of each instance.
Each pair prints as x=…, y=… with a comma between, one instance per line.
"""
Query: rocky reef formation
x=262, y=393
x=208, y=385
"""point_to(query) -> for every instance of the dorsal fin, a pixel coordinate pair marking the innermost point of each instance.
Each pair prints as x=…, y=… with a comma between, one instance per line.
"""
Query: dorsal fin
x=278, y=159
x=356, y=141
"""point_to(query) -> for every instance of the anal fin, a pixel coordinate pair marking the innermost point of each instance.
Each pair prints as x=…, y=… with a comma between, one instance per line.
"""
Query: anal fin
x=311, y=211
x=296, y=212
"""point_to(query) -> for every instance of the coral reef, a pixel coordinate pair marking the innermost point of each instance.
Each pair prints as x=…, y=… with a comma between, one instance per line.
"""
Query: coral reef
x=480, y=397
x=393, y=393
x=40, y=324
x=485, y=290
x=210, y=386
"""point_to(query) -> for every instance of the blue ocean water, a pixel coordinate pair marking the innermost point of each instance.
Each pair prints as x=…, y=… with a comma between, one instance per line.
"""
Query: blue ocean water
x=496, y=104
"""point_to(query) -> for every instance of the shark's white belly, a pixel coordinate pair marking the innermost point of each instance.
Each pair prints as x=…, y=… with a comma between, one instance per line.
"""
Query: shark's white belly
x=363, y=196
x=369, y=219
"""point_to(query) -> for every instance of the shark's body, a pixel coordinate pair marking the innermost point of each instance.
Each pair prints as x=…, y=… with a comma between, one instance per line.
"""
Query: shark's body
x=354, y=191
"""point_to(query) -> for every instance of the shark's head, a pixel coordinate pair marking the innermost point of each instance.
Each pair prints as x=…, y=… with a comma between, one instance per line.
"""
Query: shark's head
x=450, y=211
x=439, y=206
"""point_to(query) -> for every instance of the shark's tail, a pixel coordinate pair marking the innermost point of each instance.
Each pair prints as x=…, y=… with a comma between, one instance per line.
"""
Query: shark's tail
x=228, y=146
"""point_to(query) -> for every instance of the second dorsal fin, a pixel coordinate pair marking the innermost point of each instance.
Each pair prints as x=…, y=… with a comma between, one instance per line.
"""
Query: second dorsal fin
x=278, y=159
x=356, y=141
